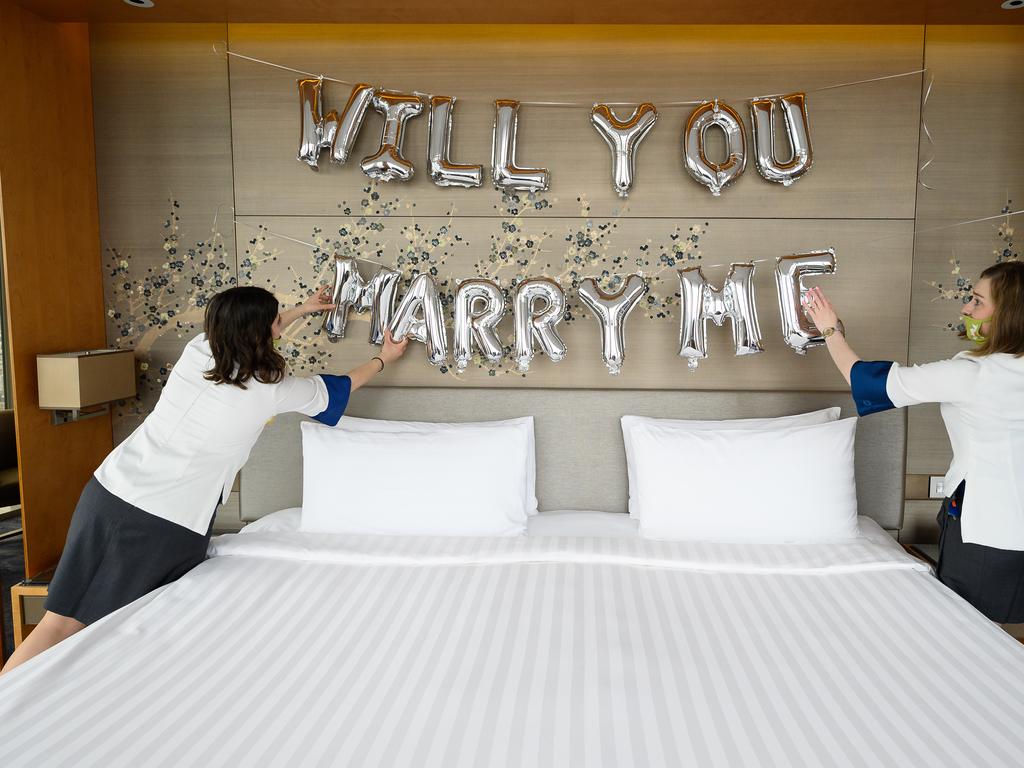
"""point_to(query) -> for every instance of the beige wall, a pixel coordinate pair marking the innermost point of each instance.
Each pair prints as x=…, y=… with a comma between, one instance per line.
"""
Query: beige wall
x=176, y=121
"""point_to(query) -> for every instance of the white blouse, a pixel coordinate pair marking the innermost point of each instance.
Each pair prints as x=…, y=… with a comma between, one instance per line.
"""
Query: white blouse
x=982, y=405
x=181, y=462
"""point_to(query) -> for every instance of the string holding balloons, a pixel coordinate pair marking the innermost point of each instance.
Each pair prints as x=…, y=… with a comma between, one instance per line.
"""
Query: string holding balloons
x=336, y=132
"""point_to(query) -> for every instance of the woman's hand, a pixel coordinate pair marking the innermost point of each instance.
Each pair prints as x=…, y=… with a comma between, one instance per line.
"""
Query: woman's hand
x=824, y=317
x=319, y=301
x=392, y=350
x=820, y=309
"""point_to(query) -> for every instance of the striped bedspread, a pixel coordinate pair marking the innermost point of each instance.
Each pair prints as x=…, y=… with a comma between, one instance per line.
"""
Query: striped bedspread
x=300, y=650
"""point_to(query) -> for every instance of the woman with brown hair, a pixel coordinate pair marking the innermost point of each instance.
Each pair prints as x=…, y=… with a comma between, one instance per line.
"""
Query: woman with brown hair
x=981, y=392
x=145, y=517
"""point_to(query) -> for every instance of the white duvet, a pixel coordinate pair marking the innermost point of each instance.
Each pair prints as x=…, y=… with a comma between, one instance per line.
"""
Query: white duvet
x=293, y=649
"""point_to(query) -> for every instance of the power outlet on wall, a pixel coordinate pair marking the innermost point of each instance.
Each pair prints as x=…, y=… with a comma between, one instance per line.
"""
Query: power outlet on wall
x=936, y=487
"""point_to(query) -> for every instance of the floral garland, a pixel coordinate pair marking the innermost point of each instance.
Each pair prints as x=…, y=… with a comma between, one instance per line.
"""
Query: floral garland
x=146, y=305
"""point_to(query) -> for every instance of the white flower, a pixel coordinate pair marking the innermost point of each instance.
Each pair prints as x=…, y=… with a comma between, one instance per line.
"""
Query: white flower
x=124, y=264
x=143, y=366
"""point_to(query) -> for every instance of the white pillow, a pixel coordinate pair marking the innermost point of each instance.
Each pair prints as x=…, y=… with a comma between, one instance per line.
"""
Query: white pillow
x=782, y=485
x=282, y=521
x=357, y=424
x=466, y=482
x=630, y=422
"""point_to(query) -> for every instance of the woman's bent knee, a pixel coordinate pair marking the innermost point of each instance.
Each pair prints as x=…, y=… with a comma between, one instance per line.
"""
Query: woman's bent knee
x=61, y=626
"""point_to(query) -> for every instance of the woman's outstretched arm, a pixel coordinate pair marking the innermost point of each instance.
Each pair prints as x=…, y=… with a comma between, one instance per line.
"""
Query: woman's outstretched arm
x=824, y=316
x=318, y=301
x=389, y=353
x=325, y=396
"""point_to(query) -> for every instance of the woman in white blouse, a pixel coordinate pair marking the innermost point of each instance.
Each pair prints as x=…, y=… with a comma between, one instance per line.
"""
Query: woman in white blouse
x=981, y=391
x=145, y=517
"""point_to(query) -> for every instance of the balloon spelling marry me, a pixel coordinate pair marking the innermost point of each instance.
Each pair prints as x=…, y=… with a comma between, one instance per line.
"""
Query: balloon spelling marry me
x=336, y=132
x=538, y=306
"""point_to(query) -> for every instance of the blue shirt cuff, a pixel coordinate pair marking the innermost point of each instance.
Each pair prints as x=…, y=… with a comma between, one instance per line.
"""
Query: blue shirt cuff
x=867, y=384
x=338, y=390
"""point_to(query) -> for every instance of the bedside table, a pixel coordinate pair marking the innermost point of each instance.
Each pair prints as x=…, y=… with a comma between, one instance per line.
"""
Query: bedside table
x=929, y=553
x=27, y=599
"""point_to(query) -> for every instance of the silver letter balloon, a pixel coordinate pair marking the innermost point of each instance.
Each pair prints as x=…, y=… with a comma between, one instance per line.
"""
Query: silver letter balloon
x=533, y=325
x=388, y=163
x=797, y=328
x=443, y=171
x=714, y=176
x=479, y=307
x=505, y=174
x=422, y=299
x=611, y=310
x=623, y=138
x=316, y=131
x=700, y=302
x=331, y=130
x=351, y=293
x=762, y=118
x=350, y=121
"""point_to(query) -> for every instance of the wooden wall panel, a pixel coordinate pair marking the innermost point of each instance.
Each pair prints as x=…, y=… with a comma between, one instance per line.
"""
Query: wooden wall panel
x=865, y=137
x=859, y=197
x=974, y=115
x=163, y=148
x=51, y=258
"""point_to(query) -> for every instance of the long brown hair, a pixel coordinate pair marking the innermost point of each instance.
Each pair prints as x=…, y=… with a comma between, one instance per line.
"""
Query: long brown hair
x=238, y=325
x=1006, y=329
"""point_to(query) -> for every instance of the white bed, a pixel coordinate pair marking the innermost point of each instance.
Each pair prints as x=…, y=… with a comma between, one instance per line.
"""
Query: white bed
x=292, y=649
x=580, y=644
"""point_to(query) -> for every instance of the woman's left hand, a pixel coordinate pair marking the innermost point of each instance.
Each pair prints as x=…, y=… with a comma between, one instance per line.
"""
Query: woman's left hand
x=392, y=350
x=820, y=309
x=319, y=301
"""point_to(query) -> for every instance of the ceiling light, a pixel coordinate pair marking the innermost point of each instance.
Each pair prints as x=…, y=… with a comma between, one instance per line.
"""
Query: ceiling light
x=1012, y=5
x=149, y=3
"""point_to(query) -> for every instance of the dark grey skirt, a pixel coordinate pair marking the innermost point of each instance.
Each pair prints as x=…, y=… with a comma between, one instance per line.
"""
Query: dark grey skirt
x=116, y=553
x=990, y=579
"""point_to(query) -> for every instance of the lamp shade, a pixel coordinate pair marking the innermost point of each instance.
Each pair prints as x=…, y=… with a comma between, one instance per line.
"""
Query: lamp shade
x=73, y=380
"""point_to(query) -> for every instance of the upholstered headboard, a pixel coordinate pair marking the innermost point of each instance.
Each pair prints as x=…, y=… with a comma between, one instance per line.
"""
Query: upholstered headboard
x=581, y=462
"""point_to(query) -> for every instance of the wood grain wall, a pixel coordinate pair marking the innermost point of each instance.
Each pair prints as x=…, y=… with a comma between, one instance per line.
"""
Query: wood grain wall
x=51, y=259
x=861, y=187
x=176, y=121
x=163, y=148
